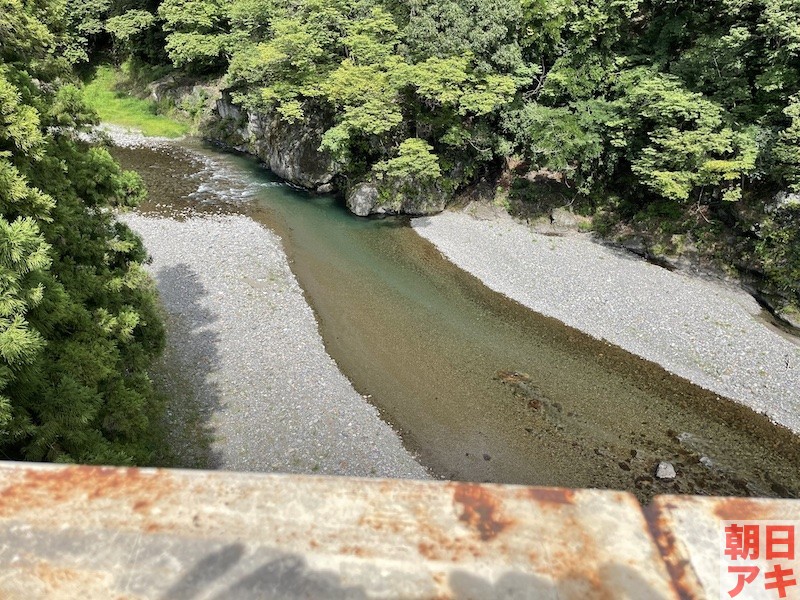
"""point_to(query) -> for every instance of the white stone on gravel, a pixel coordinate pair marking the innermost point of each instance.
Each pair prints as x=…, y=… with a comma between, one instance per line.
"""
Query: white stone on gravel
x=703, y=330
x=665, y=470
x=238, y=318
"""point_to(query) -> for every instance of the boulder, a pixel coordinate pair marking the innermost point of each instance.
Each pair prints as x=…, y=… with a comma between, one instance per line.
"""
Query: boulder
x=635, y=244
x=564, y=218
x=779, y=291
x=707, y=462
x=292, y=151
x=783, y=201
x=791, y=316
x=363, y=199
x=397, y=196
x=196, y=100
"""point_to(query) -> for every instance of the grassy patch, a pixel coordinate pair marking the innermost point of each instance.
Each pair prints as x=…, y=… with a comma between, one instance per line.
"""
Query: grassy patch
x=104, y=94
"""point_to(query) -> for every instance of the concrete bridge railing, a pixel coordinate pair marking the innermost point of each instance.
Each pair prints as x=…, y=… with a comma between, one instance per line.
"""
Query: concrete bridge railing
x=92, y=532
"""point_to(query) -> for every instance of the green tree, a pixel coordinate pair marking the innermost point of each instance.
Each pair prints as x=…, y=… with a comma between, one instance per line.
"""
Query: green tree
x=78, y=319
x=677, y=141
x=198, y=32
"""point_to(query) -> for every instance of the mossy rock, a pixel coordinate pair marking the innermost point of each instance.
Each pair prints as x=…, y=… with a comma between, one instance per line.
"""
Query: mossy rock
x=392, y=196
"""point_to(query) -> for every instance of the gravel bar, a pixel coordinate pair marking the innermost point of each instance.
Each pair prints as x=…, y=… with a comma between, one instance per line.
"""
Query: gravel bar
x=247, y=342
x=250, y=386
x=706, y=331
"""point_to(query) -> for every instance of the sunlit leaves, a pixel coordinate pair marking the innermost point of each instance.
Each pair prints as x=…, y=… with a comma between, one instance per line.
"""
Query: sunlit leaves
x=487, y=95
x=200, y=16
x=781, y=23
x=787, y=149
x=677, y=140
x=18, y=198
x=19, y=123
x=414, y=159
x=127, y=25
x=372, y=39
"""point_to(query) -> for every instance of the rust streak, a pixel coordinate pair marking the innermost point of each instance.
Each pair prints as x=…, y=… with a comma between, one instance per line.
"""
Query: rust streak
x=552, y=496
x=438, y=545
x=592, y=580
x=354, y=551
x=65, y=582
x=678, y=567
x=741, y=508
x=380, y=524
x=428, y=550
x=481, y=510
x=46, y=488
x=54, y=576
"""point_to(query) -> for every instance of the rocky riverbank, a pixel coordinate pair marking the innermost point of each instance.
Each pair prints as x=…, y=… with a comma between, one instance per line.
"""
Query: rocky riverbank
x=245, y=370
x=293, y=150
x=704, y=330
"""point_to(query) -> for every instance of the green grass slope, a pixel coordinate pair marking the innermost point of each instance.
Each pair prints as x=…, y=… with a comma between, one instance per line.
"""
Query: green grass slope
x=115, y=106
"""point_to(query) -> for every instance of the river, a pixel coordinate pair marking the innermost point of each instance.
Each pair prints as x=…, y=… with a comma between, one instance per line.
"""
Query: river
x=479, y=387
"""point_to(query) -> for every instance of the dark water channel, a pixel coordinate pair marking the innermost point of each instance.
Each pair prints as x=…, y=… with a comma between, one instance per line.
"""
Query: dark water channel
x=479, y=387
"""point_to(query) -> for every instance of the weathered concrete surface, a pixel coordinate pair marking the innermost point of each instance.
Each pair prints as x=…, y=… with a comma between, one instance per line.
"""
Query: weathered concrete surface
x=101, y=532
x=91, y=532
x=690, y=532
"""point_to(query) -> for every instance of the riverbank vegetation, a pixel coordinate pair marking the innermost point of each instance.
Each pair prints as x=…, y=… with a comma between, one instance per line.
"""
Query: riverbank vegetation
x=78, y=318
x=114, y=105
x=679, y=120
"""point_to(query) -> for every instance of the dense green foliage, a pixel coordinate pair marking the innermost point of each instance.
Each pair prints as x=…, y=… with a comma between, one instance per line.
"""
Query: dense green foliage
x=684, y=99
x=681, y=96
x=664, y=112
x=78, y=321
x=397, y=95
x=681, y=117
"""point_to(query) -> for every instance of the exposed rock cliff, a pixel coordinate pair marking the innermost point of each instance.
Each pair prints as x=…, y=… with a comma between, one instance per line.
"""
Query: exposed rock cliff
x=779, y=245
x=193, y=100
x=290, y=150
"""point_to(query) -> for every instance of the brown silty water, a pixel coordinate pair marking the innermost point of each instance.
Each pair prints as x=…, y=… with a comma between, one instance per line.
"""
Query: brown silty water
x=479, y=387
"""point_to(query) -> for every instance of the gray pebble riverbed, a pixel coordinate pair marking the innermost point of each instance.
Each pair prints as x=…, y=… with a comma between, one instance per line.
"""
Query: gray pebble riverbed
x=249, y=377
x=243, y=338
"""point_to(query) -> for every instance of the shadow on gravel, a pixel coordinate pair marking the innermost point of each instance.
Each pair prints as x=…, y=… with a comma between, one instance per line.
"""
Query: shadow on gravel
x=182, y=374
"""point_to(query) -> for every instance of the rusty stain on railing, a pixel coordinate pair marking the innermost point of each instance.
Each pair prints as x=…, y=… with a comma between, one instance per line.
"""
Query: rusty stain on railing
x=97, y=532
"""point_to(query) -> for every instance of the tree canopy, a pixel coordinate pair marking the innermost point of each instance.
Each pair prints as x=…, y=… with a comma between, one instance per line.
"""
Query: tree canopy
x=653, y=110
x=78, y=319
x=682, y=100
x=684, y=106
